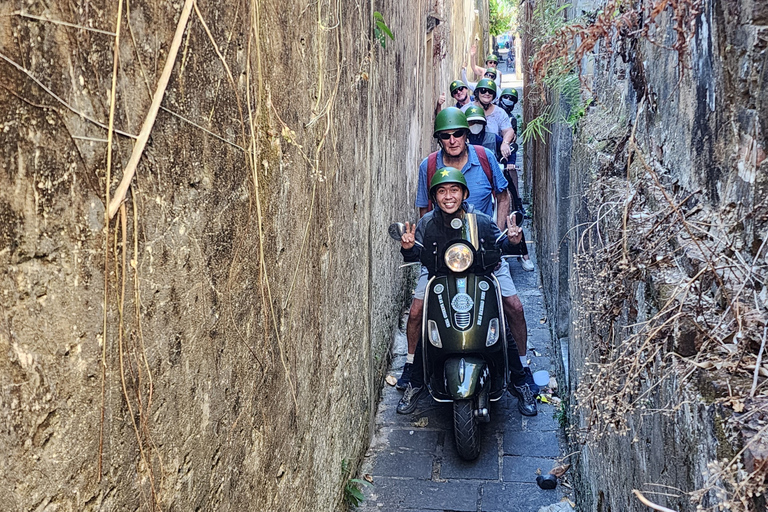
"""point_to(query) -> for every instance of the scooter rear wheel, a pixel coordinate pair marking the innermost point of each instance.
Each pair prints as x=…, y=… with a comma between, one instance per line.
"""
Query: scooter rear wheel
x=466, y=430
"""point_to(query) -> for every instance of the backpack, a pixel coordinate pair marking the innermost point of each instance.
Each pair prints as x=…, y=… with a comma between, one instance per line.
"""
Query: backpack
x=484, y=163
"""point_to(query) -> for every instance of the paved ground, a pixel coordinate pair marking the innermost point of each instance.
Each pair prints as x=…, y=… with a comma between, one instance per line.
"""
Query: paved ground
x=416, y=468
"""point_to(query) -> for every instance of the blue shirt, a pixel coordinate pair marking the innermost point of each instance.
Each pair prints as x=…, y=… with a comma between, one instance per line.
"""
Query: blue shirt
x=480, y=195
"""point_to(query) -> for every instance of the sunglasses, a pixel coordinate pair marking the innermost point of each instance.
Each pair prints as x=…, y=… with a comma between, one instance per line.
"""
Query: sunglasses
x=456, y=135
x=459, y=89
x=507, y=97
x=483, y=91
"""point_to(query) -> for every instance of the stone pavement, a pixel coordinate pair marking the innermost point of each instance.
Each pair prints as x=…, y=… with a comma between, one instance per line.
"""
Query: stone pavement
x=416, y=468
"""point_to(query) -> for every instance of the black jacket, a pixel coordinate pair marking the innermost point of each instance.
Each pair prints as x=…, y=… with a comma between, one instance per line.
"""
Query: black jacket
x=434, y=234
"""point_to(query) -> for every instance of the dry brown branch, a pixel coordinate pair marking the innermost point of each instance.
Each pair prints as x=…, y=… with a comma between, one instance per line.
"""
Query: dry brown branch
x=112, y=95
x=229, y=73
x=648, y=503
x=209, y=132
x=57, y=98
x=759, y=361
x=64, y=23
x=149, y=120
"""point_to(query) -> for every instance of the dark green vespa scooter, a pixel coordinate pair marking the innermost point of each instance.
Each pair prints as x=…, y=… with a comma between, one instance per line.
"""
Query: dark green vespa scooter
x=464, y=335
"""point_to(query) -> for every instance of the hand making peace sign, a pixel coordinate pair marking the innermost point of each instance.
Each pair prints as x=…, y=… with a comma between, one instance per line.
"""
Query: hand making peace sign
x=408, y=240
x=514, y=232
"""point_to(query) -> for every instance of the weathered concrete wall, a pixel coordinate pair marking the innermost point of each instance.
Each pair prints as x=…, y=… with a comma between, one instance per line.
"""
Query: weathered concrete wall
x=702, y=133
x=250, y=286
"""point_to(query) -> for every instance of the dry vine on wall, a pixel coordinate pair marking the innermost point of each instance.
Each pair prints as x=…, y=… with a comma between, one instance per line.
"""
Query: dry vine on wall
x=705, y=276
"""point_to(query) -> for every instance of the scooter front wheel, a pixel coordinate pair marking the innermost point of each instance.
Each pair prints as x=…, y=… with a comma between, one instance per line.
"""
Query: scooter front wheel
x=466, y=430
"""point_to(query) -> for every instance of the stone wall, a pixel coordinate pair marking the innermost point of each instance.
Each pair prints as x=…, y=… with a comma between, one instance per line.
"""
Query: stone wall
x=247, y=286
x=699, y=128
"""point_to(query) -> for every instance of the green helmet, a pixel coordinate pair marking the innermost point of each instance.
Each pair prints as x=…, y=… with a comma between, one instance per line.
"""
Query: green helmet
x=447, y=175
x=456, y=84
x=475, y=113
x=450, y=118
x=487, y=83
x=492, y=58
x=491, y=71
x=509, y=91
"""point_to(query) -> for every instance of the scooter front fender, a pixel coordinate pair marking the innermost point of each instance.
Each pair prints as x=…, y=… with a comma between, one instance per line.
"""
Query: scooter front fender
x=465, y=376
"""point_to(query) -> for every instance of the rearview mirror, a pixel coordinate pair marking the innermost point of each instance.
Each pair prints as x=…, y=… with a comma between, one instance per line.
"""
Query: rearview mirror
x=396, y=230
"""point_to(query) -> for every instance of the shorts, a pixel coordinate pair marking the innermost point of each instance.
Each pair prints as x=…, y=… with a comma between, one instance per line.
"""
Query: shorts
x=502, y=275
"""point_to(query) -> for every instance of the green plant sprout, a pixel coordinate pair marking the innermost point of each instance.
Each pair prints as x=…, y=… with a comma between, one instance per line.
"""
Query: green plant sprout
x=381, y=30
x=353, y=487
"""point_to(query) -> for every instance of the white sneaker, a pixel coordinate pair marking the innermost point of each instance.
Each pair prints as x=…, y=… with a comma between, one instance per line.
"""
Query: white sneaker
x=527, y=265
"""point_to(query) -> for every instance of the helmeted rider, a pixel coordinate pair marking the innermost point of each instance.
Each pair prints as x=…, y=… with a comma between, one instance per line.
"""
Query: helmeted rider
x=478, y=135
x=496, y=118
x=451, y=131
x=508, y=100
x=460, y=93
x=449, y=192
x=490, y=73
x=492, y=62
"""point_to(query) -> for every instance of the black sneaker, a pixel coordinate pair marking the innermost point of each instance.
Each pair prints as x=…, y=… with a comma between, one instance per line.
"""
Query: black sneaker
x=526, y=401
x=405, y=377
x=529, y=380
x=411, y=398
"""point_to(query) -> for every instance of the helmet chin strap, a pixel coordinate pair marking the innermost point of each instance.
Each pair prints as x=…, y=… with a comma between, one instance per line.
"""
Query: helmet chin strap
x=485, y=106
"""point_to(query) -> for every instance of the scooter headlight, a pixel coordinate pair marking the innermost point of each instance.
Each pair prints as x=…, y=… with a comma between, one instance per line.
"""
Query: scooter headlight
x=434, y=334
x=493, y=332
x=458, y=257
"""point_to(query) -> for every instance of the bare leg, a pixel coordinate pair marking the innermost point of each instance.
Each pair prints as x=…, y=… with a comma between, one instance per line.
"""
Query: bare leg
x=413, y=327
x=513, y=309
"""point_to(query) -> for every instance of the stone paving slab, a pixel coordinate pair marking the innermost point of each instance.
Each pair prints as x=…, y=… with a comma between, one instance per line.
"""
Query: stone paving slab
x=532, y=444
x=539, y=339
x=543, y=422
x=485, y=467
x=516, y=497
x=404, y=494
x=408, y=454
x=523, y=469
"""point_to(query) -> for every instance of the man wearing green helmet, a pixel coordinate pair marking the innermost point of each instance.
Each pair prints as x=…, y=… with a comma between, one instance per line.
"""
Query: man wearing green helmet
x=451, y=131
x=460, y=93
x=449, y=192
x=497, y=120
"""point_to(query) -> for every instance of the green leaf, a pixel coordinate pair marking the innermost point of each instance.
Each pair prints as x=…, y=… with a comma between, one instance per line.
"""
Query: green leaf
x=353, y=495
x=384, y=28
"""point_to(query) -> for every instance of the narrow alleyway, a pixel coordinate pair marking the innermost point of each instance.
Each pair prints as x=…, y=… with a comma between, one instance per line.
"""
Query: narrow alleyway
x=413, y=459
